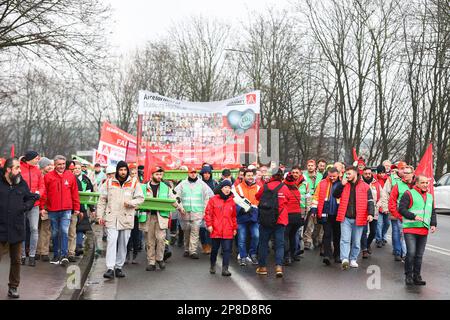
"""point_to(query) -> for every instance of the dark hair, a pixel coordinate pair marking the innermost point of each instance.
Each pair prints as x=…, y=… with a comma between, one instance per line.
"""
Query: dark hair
x=321, y=160
x=348, y=168
x=333, y=170
x=242, y=169
x=247, y=171
x=296, y=167
x=9, y=163
x=367, y=168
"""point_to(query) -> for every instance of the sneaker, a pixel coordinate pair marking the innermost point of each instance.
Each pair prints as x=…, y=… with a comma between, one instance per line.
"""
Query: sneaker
x=248, y=260
x=365, y=254
x=45, y=258
x=186, y=254
x=109, y=274
x=212, y=269
x=64, y=262
x=32, y=261
x=418, y=280
x=55, y=260
x=119, y=273
x=23, y=260
x=353, y=264
x=72, y=259
x=12, y=293
x=225, y=272
x=279, y=271
x=194, y=256
x=242, y=262
x=261, y=271
x=326, y=260
x=151, y=267
x=254, y=259
x=161, y=265
x=345, y=264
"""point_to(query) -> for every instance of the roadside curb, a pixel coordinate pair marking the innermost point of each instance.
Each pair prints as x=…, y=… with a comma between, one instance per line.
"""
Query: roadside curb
x=85, y=266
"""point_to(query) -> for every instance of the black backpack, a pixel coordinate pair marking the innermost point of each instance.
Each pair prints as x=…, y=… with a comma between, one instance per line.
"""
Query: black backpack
x=268, y=207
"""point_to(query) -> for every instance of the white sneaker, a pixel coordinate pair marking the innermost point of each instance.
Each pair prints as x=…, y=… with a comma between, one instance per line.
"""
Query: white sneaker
x=345, y=264
x=248, y=260
x=353, y=264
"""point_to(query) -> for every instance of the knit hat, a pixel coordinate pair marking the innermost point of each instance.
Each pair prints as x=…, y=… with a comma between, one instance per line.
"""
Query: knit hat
x=381, y=169
x=225, y=183
x=122, y=164
x=44, y=162
x=30, y=155
x=206, y=169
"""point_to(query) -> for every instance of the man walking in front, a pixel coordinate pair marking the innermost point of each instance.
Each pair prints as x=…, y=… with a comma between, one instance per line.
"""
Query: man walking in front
x=119, y=198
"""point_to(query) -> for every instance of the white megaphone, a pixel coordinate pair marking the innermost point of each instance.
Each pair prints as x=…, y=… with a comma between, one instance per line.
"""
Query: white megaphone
x=240, y=201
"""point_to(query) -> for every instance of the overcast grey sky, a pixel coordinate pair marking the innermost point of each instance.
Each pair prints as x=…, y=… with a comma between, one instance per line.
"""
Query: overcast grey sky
x=137, y=21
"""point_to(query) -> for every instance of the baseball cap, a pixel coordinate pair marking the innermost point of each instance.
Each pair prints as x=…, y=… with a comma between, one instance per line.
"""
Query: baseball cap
x=110, y=169
x=401, y=164
x=192, y=169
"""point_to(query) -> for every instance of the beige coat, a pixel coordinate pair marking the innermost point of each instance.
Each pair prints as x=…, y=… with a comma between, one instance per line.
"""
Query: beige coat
x=111, y=204
x=162, y=221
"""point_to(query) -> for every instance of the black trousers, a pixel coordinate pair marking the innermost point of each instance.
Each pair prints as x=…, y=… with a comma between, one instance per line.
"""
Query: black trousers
x=134, y=241
x=290, y=233
x=331, y=231
x=415, y=247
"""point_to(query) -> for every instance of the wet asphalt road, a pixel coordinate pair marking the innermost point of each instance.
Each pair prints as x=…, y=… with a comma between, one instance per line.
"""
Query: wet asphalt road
x=185, y=278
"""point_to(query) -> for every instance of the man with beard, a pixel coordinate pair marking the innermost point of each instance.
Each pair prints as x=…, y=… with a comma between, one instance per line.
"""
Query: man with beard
x=15, y=200
x=119, y=198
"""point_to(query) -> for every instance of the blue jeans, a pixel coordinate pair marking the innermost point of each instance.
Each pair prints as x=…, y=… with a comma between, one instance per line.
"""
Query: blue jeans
x=33, y=218
x=204, y=236
x=242, y=238
x=350, y=236
x=80, y=239
x=264, y=236
x=60, y=221
x=226, y=245
x=382, y=227
x=398, y=241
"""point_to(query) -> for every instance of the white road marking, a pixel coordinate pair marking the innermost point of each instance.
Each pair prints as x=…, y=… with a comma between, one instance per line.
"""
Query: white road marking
x=431, y=248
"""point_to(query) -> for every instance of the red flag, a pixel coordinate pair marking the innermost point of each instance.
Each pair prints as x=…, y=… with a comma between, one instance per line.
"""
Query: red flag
x=12, y=151
x=355, y=155
x=147, y=174
x=425, y=167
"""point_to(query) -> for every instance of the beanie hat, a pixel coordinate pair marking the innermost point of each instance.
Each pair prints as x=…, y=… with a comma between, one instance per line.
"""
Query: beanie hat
x=30, y=155
x=44, y=162
x=206, y=169
x=225, y=183
x=381, y=169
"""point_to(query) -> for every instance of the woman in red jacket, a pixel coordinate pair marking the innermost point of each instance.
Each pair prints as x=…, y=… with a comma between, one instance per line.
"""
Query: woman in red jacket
x=221, y=221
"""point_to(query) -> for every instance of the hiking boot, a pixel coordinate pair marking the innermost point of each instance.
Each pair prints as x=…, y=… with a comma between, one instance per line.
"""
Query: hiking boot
x=109, y=274
x=397, y=258
x=72, y=259
x=161, y=265
x=32, y=261
x=409, y=281
x=194, y=256
x=151, y=267
x=254, y=259
x=12, y=293
x=186, y=254
x=418, y=280
x=261, y=271
x=119, y=273
x=242, y=262
x=326, y=260
x=45, y=258
x=345, y=264
x=279, y=271
x=55, y=260
x=64, y=262
x=212, y=269
x=23, y=260
x=365, y=254
x=225, y=272
x=134, y=261
x=37, y=257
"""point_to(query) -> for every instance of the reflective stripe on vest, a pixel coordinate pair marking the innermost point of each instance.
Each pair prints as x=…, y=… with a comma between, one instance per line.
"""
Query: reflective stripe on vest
x=420, y=208
x=192, y=199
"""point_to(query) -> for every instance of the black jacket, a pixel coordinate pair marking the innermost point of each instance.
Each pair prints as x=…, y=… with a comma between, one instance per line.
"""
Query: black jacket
x=403, y=209
x=15, y=200
x=84, y=224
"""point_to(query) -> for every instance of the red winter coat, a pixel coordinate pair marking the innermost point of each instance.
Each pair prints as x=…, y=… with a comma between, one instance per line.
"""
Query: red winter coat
x=293, y=203
x=221, y=215
x=61, y=192
x=34, y=179
x=362, y=190
x=283, y=199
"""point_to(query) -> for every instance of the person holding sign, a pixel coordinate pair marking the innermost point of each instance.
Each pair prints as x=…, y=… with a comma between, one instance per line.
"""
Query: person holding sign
x=419, y=217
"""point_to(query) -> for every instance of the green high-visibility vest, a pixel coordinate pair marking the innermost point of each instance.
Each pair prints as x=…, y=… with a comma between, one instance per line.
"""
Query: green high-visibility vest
x=395, y=180
x=83, y=188
x=402, y=188
x=192, y=199
x=163, y=193
x=312, y=186
x=302, y=190
x=420, y=208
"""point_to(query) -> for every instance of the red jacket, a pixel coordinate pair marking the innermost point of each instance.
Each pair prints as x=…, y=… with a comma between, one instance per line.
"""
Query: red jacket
x=283, y=199
x=362, y=199
x=221, y=215
x=293, y=203
x=61, y=192
x=34, y=179
x=393, y=205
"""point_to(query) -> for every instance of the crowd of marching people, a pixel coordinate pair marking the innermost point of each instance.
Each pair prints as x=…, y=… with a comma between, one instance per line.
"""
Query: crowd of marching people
x=343, y=211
